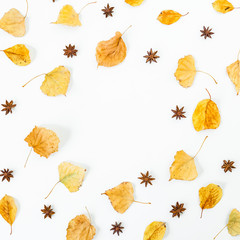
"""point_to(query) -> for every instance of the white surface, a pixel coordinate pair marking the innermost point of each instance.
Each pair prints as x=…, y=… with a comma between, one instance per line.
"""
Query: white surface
x=117, y=121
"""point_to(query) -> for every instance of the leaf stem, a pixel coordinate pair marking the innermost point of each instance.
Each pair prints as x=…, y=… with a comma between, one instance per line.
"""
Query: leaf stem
x=27, y=158
x=86, y=6
x=127, y=29
x=26, y=10
x=11, y=230
x=89, y=215
x=201, y=213
x=52, y=190
x=219, y=232
x=141, y=202
x=33, y=79
x=185, y=14
x=238, y=55
x=201, y=146
x=208, y=75
x=208, y=93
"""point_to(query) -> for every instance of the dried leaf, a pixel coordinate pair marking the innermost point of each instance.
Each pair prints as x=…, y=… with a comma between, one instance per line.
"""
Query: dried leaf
x=8, y=209
x=80, y=228
x=155, y=231
x=134, y=3
x=222, y=6
x=18, y=54
x=234, y=223
x=209, y=196
x=169, y=17
x=111, y=52
x=206, y=115
x=13, y=22
x=121, y=196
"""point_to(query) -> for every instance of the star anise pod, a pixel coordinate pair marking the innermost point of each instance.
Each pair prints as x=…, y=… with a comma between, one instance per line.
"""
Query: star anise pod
x=228, y=165
x=8, y=106
x=177, y=210
x=206, y=32
x=178, y=113
x=48, y=211
x=151, y=56
x=70, y=51
x=146, y=178
x=6, y=174
x=117, y=228
x=108, y=11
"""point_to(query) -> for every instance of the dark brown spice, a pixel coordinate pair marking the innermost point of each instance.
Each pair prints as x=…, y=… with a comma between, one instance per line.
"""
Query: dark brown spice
x=177, y=210
x=178, y=113
x=8, y=106
x=151, y=56
x=117, y=228
x=146, y=178
x=108, y=11
x=6, y=174
x=228, y=166
x=47, y=211
x=70, y=51
x=206, y=32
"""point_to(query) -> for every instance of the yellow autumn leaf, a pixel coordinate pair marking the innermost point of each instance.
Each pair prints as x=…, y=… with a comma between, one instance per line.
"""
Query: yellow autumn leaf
x=8, y=209
x=186, y=71
x=155, y=231
x=111, y=52
x=222, y=6
x=134, y=3
x=80, y=228
x=209, y=196
x=233, y=71
x=206, y=115
x=43, y=141
x=121, y=196
x=183, y=167
x=18, y=54
x=169, y=17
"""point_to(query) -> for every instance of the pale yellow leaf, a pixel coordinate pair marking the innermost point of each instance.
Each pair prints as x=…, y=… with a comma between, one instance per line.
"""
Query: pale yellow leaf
x=222, y=6
x=234, y=223
x=155, y=231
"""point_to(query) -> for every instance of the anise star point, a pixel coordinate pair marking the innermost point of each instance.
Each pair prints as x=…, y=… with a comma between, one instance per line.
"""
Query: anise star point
x=206, y=32
x=228, y=166
x=177, y=210
x=8, y=106
x=178, y=113
x=146, y=179
x=151, y=56
x=47, y=211
x=108, y=11
x=6, y=174
x=117, y=228
x=70, y=51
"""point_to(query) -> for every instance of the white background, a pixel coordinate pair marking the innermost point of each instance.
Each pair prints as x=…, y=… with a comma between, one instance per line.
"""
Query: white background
x=116, y=122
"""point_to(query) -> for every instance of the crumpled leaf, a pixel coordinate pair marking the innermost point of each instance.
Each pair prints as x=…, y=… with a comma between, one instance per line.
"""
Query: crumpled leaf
x=222, y=6
x=68, y=16
x=18, y=54
x=155, y=231
x=206, y=115
x=80, y=228
x=121, y=196
x=169, y=17
x=209, y=196
x=134, y=3
x=8, y=209
x=43, y=141
x=56, y=82
x=13, y=22
x=183, y=167
x=111, y=52
x=233, y=71
x=234, y=223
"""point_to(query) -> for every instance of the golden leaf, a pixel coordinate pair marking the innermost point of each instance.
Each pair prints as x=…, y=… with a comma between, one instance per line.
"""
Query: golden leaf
x=121, y=196
x=183, y=167
x=169, y=17
x=18, y=54
x=222, y=6
x=155, y=231
x=8, y=209
x=186, y=71
x=111, y=52
x=209, y=196
x=233, y=71
x=134, y=3
x=80, y=228
x=234, y=223
x=206, y=115
x=43, y=141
